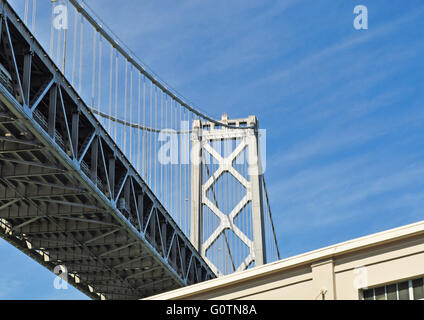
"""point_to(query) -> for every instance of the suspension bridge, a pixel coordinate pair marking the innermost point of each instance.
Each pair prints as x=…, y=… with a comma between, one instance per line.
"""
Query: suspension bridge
x=110, y=176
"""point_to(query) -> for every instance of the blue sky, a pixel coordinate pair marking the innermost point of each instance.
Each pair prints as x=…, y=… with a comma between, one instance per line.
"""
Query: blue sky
x=343, y=108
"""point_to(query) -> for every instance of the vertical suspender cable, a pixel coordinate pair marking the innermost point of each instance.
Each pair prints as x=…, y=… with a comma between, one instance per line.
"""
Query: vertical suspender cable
x=231, y=204
x=176, y=169
x=124, y=128
x=58, y=47
x=241, y=190
x=34, y=15
x=227, y=200
x=224, y=206
x=234, y=199
x=156, y=135
x=188, y=180
x=139, y=132
x=187, y=192
x=248, y=216
x=144, y=132
x=221, y=186
x=52, y=29
x=240, y=193
x=99, y=85
x=80, y=55
x=147, y=133
x=131, y=113
x=190, y=123
x=150, y=133
x=148, y=153
x=180, y=164
x=26, y=12
x=166, y=168
x=93, y=75
x=172, y=155
x=177, y=173
x=116, y=93
x=74, y=54
x=184, y=166
x=183, y=141
x=237, y=190
x=154, y=139
x=110, y=87
x=175, y=180
x=65, y=33
x=161, y=160
x=216, y=223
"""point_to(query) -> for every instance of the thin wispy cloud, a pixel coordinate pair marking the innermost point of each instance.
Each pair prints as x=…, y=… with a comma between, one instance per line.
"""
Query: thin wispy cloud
x=321, y=196
x=339, y=47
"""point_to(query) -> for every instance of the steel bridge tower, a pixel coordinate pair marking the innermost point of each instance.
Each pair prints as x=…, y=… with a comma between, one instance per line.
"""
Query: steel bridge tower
x=219, y=151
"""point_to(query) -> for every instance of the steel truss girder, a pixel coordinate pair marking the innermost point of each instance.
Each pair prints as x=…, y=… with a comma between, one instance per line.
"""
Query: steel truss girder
x=58, y=155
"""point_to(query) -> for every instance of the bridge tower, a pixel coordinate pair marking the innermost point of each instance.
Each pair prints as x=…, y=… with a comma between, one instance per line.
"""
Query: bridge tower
x=227, y=216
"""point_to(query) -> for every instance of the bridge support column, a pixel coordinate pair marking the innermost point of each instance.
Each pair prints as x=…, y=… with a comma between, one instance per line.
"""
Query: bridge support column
x=255, y=174
x=196, y=185
x=241, y=220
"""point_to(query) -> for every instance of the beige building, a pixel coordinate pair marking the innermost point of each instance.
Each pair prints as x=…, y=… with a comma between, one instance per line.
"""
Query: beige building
x=385, y=265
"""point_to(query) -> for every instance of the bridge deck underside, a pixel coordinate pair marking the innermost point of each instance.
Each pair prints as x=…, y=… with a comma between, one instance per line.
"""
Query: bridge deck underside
x=50, y=216
x=68, y=196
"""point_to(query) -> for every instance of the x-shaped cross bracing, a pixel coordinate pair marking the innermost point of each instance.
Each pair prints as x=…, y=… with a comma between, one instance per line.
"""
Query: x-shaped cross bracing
x=227, y=221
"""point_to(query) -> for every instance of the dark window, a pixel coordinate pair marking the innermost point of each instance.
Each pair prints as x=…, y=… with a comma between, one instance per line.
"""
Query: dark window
x=403, y=288
x=391, y=292
x=380, y=293
x=369, y=294
x=418, y=287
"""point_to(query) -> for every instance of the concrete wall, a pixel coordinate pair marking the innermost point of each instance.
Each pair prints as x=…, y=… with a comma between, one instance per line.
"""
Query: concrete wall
x=335, y=272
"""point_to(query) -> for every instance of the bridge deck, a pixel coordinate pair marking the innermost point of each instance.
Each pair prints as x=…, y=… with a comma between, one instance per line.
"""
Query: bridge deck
x=68, y=196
